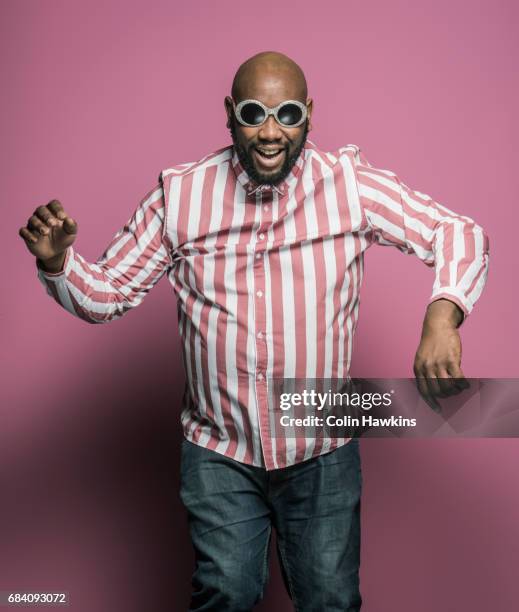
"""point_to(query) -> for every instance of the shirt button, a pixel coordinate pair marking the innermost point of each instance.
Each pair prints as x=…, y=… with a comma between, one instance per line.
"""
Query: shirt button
x=260, y=335
x=258, y=255
x=261, y=236
x=266, y=208
x=259, y=293
x=260, y=376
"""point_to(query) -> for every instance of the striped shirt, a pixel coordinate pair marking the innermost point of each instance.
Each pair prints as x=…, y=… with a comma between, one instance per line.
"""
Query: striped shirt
x=267, y=280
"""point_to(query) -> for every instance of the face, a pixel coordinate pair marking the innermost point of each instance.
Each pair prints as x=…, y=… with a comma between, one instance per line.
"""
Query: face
x=251, y=143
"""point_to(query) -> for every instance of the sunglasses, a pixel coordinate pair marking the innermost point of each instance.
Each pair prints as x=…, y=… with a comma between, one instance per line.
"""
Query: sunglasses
x=253, y=113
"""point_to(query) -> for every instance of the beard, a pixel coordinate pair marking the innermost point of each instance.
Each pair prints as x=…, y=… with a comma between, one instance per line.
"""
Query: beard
x=247, y=162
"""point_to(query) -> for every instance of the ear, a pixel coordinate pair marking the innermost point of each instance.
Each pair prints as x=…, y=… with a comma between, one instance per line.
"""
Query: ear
x=229, y=109
x=309, y=109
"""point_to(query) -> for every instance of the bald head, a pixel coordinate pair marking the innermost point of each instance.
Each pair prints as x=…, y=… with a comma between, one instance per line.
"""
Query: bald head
x=272, y=74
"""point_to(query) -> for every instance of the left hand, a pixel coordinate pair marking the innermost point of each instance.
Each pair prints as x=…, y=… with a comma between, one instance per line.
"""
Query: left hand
x=437, y=364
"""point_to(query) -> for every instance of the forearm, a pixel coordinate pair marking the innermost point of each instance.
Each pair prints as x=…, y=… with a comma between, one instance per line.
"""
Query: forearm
x=133, y=262
x=442, y=313
x=83, y=289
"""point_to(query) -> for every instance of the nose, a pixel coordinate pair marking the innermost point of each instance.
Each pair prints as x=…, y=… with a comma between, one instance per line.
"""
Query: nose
x=270, y=130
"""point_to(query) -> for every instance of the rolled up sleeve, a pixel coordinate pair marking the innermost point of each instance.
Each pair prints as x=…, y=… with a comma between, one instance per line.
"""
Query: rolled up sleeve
x=455, y=245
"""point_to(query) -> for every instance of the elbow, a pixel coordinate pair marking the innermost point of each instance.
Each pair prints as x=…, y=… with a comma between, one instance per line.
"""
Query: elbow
x=97, y=307
x=92, y=314
x=486, y=241
x=96, y=319
x=481, y=237
x=92, y=321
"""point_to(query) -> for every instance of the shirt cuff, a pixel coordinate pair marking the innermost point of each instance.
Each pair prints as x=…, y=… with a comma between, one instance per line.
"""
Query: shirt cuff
x=453, y=295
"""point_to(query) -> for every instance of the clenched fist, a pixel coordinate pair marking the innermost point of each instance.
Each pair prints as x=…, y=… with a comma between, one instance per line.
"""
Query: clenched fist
x=48, y=234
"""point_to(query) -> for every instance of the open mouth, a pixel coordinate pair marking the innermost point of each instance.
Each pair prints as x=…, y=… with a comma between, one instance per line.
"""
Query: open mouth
x=269, y=157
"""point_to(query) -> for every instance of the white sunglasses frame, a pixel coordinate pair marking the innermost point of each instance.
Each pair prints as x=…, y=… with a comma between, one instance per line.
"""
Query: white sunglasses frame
x=270, y=111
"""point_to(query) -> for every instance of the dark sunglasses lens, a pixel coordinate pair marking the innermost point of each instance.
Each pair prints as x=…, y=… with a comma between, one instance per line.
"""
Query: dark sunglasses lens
x=290, y=114
x=252, y=114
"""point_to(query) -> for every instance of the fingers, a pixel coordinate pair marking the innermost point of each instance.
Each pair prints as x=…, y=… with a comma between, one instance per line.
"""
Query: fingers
x=69, y=225
x=44, y=219
x=37, y=225
x=446, y=383
x=427, y=371
x=460, y=381
x=56, y=209
x=423, y=389
x=51, y=215
x=28, y=236
x=439, y=381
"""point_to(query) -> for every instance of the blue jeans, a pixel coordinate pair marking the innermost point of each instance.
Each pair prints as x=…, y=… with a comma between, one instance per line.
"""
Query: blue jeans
x=314, y=507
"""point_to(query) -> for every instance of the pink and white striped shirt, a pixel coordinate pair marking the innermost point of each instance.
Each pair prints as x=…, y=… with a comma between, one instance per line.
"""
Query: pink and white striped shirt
x=267, y=280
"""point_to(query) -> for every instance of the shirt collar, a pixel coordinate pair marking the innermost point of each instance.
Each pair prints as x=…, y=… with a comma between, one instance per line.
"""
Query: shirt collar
x=251, y=187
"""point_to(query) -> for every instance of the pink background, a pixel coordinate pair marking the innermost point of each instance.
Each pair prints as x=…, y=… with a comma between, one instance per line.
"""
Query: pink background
x=97, y=98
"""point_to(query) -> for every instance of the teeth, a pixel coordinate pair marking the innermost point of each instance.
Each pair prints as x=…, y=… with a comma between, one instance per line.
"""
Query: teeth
x=269, y=153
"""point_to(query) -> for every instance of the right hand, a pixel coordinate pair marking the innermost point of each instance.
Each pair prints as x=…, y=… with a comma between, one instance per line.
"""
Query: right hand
x=48, y=234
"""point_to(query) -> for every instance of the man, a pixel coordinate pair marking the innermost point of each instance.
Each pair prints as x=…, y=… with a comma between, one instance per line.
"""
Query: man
x=263, y=243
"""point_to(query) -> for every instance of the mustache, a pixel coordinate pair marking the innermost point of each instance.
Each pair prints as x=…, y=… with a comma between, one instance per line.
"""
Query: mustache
x=259, y=143
x=254, y=145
